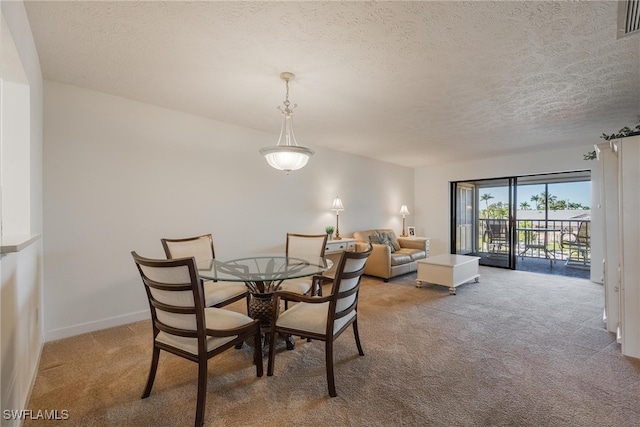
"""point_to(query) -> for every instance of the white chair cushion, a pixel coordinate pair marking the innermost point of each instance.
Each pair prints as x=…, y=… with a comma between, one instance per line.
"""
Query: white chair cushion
x=215, y=318
x=311, y=318
x=216, y=292
x=297, y=286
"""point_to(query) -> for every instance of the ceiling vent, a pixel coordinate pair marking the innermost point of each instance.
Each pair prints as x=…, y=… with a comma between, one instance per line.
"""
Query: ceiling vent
x=628, y=17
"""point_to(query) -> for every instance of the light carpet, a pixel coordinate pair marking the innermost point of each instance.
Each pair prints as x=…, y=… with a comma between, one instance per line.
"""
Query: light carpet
x=516, y=349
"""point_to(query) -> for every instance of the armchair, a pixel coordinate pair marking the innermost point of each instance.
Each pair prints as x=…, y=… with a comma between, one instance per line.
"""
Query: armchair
x=301, y=245
x=323, y=318
x=496, y=236
x=217, y=294
x=183, y=326
x=394, y=255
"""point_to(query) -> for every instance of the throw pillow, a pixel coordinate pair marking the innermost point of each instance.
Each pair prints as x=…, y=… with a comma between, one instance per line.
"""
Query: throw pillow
x=376, y=238
x=381, y=238
x=393, y=241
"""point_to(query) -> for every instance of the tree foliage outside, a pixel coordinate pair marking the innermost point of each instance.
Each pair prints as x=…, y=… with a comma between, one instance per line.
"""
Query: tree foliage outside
x=500, y=210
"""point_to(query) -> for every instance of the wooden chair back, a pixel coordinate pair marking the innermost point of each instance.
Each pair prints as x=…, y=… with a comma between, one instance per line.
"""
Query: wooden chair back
x=199, y=247
x=299, y=245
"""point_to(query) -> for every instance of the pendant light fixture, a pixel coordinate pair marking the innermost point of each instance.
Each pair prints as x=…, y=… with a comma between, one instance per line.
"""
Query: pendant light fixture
x=287, y=155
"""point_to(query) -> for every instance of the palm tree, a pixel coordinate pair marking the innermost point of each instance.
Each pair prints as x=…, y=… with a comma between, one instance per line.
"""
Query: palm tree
x=536, y=199
x=486, y=197
x=525, y=206
x=558, y=205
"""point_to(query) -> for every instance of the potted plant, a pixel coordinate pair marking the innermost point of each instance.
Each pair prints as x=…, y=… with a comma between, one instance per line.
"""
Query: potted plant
x=329, y=229
x=622, y=133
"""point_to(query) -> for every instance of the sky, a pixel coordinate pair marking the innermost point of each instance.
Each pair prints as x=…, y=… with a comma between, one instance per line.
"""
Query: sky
x=576, y=192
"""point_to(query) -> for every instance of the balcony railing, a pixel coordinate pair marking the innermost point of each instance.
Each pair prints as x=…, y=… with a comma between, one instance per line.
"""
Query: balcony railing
x=562, y=240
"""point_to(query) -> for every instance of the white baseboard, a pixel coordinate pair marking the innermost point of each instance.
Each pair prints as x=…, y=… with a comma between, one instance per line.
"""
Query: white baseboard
x=83, y=328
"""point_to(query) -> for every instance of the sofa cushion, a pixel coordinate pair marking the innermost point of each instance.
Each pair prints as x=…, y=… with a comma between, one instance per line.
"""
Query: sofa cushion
x=413, y=254
x=399, y=258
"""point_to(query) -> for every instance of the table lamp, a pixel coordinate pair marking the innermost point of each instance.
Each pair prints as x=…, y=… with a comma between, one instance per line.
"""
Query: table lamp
x=337, y=206
x=404, y=211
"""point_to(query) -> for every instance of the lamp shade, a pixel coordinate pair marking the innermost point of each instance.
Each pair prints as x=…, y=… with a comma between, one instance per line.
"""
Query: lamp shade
x=286, y=157
x=404, y=210
x=337, y=205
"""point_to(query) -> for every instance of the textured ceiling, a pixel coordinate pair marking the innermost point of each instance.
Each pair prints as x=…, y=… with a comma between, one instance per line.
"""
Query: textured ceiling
x=412, y=83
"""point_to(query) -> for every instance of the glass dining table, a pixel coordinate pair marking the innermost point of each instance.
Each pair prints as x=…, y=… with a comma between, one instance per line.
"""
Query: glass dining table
x=262, y=274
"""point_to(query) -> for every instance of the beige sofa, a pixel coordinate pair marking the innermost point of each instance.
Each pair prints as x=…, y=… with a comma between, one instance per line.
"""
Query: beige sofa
x=387, y=262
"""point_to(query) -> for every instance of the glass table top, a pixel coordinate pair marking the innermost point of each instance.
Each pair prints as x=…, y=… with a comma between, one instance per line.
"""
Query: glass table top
x=262, y=268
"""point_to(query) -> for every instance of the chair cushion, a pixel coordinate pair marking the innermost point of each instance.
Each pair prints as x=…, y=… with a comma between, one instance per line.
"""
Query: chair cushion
x=297, y=286
x=215, y=318
x=311, y=317
x=217, y=292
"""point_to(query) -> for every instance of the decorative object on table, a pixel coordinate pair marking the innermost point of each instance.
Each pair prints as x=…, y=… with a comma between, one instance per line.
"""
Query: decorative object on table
x=404, y=211
x=412, y=231
x=337, y=206
x=287, y=155
x=329, y=229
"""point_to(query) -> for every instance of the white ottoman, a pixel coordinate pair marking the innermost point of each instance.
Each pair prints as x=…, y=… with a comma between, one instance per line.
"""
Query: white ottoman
x=448, y=270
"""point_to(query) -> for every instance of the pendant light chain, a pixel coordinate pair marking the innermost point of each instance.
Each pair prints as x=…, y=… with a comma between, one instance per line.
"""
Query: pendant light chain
x=286, y=102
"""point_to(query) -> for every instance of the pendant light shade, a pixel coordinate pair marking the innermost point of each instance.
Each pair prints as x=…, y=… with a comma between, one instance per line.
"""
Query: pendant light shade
x=287, y=155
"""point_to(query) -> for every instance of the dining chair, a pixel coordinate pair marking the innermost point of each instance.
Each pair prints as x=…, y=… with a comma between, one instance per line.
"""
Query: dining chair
x=304, y=245
x=323, y=318
x=184, y=327
x=217, y=293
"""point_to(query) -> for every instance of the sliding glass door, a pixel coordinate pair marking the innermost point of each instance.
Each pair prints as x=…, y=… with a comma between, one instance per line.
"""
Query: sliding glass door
x=535, y=220
x=484, y=218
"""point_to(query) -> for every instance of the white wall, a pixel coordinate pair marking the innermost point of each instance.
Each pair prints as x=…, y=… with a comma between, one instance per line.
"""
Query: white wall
x=432, y=201
x=119, y=175
x=21, y=272
x=16, y=168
